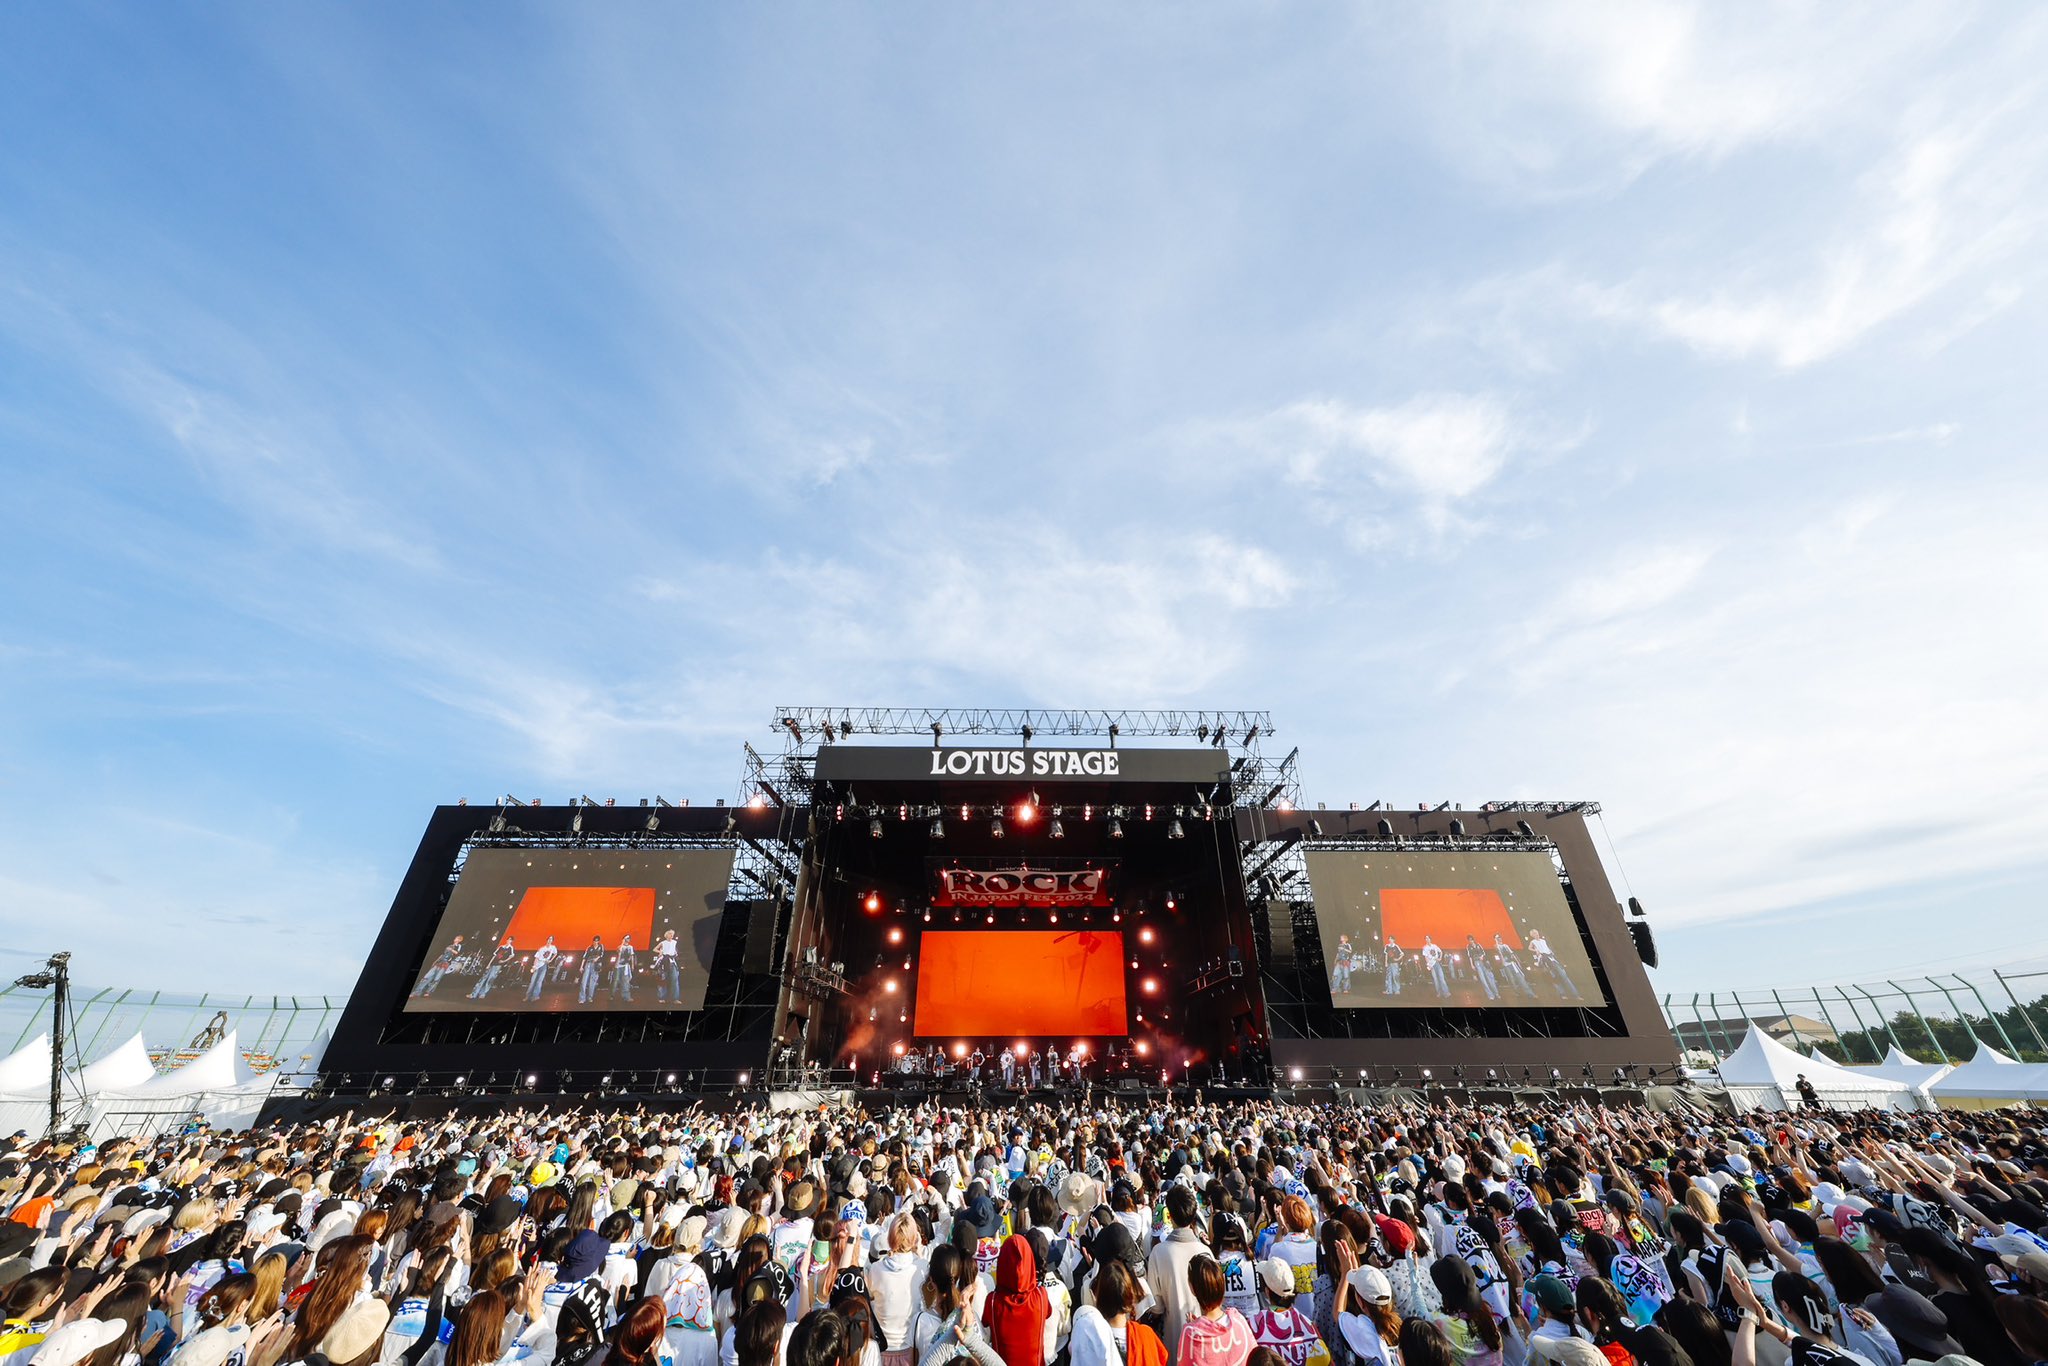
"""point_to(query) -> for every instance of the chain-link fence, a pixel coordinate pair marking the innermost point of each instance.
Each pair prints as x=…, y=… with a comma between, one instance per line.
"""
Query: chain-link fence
x=273, y=1031
x=1933, y=1019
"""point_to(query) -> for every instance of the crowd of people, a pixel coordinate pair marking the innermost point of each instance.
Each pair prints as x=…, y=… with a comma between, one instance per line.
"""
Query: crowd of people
x=1154, y=1234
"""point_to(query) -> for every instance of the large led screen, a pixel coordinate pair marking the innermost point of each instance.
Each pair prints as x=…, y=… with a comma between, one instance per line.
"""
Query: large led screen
x=1020, y=983
x=1441, y=929
x=576, y=929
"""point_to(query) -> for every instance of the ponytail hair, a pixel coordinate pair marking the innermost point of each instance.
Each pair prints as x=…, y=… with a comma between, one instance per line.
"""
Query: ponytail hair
x=1789, y=1287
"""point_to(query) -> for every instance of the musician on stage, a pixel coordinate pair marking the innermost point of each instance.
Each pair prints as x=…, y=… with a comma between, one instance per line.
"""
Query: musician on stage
x=1009, y=1065
x=974, y=1071
x=1037, y=1064
x=1052, y=1064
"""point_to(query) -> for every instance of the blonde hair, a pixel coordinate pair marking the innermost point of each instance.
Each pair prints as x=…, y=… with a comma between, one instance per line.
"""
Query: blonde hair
x=903, y=1234
x=194, y=1214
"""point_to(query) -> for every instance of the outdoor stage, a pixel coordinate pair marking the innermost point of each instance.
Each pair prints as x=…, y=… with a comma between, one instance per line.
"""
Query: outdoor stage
x=1145, y=894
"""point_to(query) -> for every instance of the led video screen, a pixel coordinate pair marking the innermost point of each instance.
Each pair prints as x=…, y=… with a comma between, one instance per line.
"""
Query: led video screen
x=1020, y=983
x=1485, y=928
x=576, y=930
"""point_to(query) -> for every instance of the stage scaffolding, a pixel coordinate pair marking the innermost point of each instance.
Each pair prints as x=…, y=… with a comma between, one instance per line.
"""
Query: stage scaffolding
x=1258, y=781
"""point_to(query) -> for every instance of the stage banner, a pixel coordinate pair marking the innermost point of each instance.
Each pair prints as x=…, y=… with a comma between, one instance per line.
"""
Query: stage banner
x=902, y=763
x=953, y=885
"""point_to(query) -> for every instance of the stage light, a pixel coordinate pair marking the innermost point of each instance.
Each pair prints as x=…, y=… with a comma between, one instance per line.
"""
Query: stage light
x=1027, y=812
x=1026, y=732
x=757, y=801
x=671, y=1079
x=1144, y=1049
x=1080, y=1047
x=1116, y=828
x=1386, y=828
x=744, y=1076
x=889, y=985
x=1294, y=1074
x=1058, y=832
x=532, y=1080
x=895, y=934
x=1148, y=812
x=1171, y=904
x=938, y=830
x=1457, y=829
x=1151, y=985
x=927, y=915
x=1145, y=935
x=995, y=828
x=1315, y=828
x=959, y=1050
x=1052, y=917
x=1174, y=832
x=1525, y=830
x=937, y=731
x=991, y=917
x=874, y=902
x=1022, y=1050
x=897, y=1050
x=874, y=827
x=1427, y=1074
x=1116, y=917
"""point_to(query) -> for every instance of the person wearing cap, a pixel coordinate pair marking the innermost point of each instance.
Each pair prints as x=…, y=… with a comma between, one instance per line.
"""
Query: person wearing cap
x=1289, y=1332
x=685, y=1294
x=1365, y=1316
x=1554, y=1338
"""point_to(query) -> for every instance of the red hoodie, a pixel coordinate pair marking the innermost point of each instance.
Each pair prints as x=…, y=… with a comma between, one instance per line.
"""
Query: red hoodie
x=1016, y=1310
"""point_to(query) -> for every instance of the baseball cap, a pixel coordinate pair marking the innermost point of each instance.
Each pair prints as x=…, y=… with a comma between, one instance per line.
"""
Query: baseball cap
x=1553, y=1296
x=1371, y=1284
x=1277, y=1275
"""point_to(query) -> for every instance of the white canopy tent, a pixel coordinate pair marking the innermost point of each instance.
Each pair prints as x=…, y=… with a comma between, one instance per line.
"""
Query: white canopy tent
x=1764, y=1074
x=123, y=1069
x=1991, y=1078
x=25, y=1087
x=1901, y=1066
x=218, y=1084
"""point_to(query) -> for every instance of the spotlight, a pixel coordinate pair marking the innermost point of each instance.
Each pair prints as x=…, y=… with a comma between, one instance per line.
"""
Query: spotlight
x=1315, y=828
x=995, y=828
x=895, y=934
x=745, y=1075
x=1294, y=1074
x=937, y=731
x=1027, y=810
x=1457, y=828
x=874, y=827
x=1026, y=731
x=874, y=902
x=1151, y=985
x=671, y=1079
x=1145, y=935
x=890, y=986
x=1174, y=832
x=1386, y=828
x=1525, y=830
x=927, y=915
x=1058, y=832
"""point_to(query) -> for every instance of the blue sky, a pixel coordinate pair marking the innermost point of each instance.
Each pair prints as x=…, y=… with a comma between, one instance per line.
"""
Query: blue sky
x=1641, y=403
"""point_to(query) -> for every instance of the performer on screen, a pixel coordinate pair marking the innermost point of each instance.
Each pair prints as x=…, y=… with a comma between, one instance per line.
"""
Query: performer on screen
x=504, y=954
x=593, y=971
x=1433, y=962
x=1511, y=967
x=623, y=964
x=1395, y=956
x=1475, y=954
x=668, y=970
x=439, y=968
x=543, y=958
x=1542, y=957
x=1340, y=966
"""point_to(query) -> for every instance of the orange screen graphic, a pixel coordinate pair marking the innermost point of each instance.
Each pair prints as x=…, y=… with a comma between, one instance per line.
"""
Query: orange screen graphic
x=1447, y=913
x=977, y=983
x=573, y=914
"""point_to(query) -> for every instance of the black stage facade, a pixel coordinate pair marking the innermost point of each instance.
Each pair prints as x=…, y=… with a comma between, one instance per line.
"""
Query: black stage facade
x=1115, y=902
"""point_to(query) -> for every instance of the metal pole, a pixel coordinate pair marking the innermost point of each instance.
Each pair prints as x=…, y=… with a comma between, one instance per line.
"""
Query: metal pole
x=1886, y=1021
x=2024, y=1015
x=1914, y=1006
x=1869, y=1034
x=1786, y=1015
x=60, y=964
x=1989, y=1013
x=1820, y=1004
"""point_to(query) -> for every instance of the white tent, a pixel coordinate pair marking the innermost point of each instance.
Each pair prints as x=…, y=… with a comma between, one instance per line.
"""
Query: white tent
x=1992, y=1077
x=123, y=1069
x=218, y=1084
x=1902, y=1066
x=1764, y=1074
x=26, y=1071
x=25, y=1088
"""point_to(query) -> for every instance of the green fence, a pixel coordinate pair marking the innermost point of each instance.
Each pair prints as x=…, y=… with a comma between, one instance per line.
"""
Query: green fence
x=1934, y=1019
x=283, y=1028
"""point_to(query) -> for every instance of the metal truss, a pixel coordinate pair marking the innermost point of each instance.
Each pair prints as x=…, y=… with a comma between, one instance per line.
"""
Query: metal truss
x=1258, y=781
x=1547, y=808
